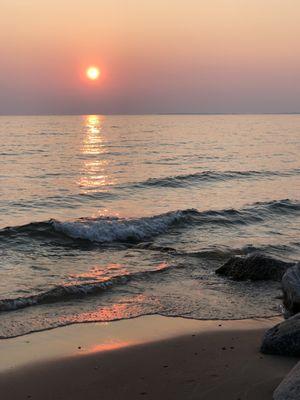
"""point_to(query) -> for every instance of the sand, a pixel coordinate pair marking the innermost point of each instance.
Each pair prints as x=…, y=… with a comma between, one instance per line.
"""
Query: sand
x=149, y=357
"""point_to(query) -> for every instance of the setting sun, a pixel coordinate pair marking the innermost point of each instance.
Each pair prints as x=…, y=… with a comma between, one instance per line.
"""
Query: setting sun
x=93, y=73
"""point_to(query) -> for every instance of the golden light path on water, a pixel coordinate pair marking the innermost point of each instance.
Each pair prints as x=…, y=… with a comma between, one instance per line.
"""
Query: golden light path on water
x=95, y=168
x=96, y=177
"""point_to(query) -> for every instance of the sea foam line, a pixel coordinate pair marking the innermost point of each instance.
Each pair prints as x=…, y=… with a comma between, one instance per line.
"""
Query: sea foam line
x=68, y=292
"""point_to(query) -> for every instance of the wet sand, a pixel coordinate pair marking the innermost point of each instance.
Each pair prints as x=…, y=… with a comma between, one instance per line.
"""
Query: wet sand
x=149, y=357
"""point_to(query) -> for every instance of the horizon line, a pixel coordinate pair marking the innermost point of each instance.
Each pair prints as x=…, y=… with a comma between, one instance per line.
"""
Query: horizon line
x=158, y=113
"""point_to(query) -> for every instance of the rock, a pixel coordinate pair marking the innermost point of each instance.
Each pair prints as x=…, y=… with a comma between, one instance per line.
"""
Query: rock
x=254, y=267
x=289, y=388
x=291, y=289
x=283, y=339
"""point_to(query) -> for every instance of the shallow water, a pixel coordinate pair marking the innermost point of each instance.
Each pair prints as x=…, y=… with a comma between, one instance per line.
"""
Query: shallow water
x=110, y=217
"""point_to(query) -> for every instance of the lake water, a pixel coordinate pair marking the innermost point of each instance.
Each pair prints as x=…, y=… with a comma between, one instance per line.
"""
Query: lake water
x=111, y=217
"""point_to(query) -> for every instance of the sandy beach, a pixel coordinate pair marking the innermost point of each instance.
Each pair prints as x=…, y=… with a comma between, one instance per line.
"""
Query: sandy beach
x=150, y=357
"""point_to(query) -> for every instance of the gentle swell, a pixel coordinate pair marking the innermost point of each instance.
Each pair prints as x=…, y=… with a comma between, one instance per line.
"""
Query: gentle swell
x=222, y=253
x=107, y=230
x=211, y=176
x=68, y=292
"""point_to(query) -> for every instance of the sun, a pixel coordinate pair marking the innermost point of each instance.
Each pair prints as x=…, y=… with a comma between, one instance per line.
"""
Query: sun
x=93, y=73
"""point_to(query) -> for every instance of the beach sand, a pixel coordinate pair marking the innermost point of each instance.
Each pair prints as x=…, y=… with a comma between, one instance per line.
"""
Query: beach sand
x=149, y=357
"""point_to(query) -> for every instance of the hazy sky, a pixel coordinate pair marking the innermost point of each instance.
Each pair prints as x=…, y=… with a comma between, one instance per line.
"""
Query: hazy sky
x=155, y=56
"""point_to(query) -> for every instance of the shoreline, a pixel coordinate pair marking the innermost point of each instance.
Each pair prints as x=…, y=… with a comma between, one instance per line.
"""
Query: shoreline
x=149, y=357
x=278, y=315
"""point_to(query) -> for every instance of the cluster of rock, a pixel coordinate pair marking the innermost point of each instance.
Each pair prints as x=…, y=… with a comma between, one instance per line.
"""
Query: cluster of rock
x=254, y=267
x=289, y=388
x=283, y=338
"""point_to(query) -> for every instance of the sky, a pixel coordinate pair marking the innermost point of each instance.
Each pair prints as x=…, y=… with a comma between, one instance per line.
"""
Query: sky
x=155, y=56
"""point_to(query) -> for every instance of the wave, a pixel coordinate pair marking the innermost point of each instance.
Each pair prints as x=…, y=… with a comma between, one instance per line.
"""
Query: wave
x=70, y=201
x=211, y=176
x=222, y=253
x=69, y=292
x=75, y=291
x=129, y=189
x=106, y=230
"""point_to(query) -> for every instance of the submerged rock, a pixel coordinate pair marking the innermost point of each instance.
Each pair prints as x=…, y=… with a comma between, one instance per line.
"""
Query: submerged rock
x=291, y=289
x=254, y=267
x=289, y=388
x=284, y=338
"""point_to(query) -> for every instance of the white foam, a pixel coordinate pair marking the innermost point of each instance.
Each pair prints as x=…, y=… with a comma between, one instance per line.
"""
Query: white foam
x=105, y=230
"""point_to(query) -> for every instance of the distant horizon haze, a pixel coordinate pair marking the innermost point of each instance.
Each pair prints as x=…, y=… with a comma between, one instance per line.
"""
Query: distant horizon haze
x=149, y=114
x=207, y=57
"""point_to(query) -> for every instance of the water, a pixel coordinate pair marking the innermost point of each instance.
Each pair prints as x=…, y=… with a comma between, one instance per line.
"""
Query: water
x=110, y=217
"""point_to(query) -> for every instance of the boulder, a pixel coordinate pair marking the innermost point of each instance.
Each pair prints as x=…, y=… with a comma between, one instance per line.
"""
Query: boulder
x=289, y=388
x=291, y=289
x=283, y=339
x=254, y=267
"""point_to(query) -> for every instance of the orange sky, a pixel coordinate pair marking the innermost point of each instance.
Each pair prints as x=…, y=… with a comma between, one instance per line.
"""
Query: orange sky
x=179, y=56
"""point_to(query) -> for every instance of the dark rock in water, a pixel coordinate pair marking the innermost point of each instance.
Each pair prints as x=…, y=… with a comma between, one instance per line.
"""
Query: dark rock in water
x=254, y=267
x=289, y=389
x=284, y=338
x=291, y=289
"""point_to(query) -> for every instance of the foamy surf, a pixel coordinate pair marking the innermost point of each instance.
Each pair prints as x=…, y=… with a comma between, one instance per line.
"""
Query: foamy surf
x=105, y=230
x=76, y=291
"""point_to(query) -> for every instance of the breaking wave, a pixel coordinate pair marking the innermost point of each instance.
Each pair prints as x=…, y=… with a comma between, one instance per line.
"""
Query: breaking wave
x=105, y=230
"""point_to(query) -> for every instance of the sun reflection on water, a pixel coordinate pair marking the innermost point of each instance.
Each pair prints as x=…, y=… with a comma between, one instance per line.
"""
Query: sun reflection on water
x=127, y=308
x=93, y=140
x=100, y=273
x=95, y=167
